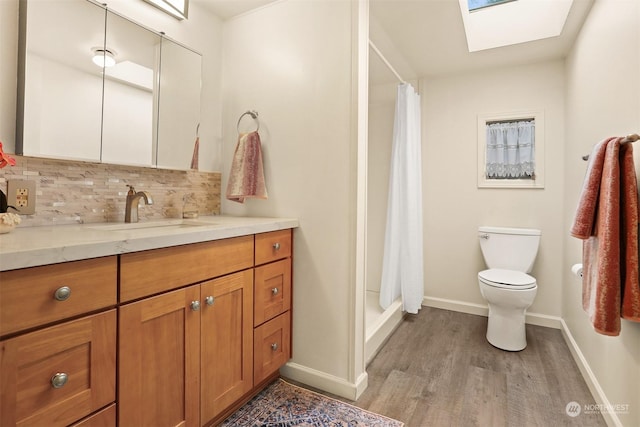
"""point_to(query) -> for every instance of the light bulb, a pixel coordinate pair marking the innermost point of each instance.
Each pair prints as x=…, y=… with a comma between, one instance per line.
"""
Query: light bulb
x=103, y=58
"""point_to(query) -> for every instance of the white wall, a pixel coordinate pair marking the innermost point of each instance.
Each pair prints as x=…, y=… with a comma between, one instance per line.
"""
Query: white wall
x=292, y=63
x=602, y=99
x=453, y=205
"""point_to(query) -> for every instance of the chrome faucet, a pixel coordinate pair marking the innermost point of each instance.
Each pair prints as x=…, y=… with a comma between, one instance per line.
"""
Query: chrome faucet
x=133, y=198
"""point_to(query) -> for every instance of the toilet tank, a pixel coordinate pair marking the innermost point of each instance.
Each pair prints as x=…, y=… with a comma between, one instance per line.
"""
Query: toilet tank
x=509, y=248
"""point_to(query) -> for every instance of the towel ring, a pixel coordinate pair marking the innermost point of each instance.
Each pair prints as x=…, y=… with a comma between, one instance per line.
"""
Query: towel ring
x=254, y=115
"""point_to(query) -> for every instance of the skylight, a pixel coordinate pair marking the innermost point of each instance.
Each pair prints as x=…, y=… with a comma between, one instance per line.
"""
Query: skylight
x=479, y=4
x=176, y=8
x=513, y=22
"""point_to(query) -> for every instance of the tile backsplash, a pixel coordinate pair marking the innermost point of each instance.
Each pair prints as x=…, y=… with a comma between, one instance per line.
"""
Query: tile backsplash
x=72, y=192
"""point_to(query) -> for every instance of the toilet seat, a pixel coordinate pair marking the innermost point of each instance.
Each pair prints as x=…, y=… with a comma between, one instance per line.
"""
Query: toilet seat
x=507, y=279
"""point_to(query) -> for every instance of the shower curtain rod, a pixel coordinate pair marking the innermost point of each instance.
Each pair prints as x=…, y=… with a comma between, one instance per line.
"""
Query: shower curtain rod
x=393, y=70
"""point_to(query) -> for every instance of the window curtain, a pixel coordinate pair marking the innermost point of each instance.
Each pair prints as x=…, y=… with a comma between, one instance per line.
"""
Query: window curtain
x=402, y=262
x=510, y=150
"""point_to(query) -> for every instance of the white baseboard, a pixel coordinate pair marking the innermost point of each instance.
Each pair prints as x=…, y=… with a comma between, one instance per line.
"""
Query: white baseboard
x=482, y=310
x=326, y=382
x=610, y=418
x=454, y=305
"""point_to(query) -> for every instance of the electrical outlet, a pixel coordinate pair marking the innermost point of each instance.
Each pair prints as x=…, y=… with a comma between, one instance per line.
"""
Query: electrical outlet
x=22, y=195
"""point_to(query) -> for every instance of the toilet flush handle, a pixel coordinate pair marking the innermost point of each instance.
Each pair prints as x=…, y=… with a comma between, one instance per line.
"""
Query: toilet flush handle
x=484, y=236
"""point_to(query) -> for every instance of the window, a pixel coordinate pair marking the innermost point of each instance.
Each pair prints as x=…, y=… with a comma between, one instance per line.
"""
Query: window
x=480, y=4
x=511, y=150
x=177, y=8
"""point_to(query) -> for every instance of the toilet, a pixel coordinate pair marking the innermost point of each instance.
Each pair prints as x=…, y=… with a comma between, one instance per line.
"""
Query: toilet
x=509, y=254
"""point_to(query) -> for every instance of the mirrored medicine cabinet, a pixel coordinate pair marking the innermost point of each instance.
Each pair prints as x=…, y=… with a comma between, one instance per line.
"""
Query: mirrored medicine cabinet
x=96, y=86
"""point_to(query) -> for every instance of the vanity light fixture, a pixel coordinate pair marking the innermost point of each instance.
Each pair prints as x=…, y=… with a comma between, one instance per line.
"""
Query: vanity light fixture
x=103, y=57
x=177, y=8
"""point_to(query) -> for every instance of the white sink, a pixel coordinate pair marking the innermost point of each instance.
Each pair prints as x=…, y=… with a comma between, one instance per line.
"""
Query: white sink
x=172, y=224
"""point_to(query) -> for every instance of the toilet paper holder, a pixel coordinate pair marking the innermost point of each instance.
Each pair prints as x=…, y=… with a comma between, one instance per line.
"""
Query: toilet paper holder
x=577, y=269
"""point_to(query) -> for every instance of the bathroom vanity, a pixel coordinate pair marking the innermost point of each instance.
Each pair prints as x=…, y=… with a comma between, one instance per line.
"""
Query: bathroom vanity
x=174, y=324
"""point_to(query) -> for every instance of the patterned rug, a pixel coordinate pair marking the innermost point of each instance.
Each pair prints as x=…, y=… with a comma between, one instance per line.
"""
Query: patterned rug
x=282, y=404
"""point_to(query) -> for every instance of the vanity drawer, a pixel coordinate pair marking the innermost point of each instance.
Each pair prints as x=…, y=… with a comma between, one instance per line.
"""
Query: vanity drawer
x=273, y=246
x=160, y=270
x=105, y=418
x=35, y=296
x=271, y=346
x=272, y=290
x=33, y=366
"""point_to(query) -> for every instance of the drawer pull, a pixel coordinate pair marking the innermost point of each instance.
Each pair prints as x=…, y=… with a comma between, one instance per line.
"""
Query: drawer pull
x=195, y=305
x=274, y=291
x=209, y=300
x=59, y=380
x=276, y=246
x=274, y=346
x=62, y=294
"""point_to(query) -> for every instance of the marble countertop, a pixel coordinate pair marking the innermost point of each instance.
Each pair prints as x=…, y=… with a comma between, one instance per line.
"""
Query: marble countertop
x=34, y=246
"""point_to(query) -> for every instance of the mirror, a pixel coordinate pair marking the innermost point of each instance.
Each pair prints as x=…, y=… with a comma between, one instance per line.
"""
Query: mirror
x=179, y=106
x=60, y=110
x=143, y=110
x=130, y=93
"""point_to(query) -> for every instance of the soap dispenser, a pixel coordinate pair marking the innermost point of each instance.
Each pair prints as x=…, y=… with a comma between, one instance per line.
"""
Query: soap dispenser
x=189, y=206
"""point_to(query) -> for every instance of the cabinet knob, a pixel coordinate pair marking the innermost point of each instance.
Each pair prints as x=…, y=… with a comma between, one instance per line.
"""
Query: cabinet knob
x=274, y=346
x=195, y=305
x=209, y=300
x=276, y=246
x=62, y=293
x=274, y=291
x=59, y=380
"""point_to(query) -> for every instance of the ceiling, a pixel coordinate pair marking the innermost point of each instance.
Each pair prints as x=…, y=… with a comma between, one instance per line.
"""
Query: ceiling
x=226, y=9
x=426, y=37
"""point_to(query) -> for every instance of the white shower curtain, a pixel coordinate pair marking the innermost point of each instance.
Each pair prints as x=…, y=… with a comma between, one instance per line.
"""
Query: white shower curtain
x=402, y=263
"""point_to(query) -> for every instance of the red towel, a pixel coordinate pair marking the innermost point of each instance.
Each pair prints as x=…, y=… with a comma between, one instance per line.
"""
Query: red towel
x=583, y=224
x=195, y=155
x=246, y=178
x=607, y=220
x=630, y=309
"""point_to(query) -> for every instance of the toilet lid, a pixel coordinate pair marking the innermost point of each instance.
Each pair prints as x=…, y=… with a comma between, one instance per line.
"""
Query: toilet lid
x=507, y=278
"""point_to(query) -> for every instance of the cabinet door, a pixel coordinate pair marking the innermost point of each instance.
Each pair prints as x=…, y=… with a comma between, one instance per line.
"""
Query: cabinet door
x=159, y=359
x=60, y=374
x=227, y=337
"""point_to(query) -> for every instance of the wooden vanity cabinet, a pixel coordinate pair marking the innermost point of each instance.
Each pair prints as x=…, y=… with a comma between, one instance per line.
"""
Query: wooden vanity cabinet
x=186, y=355
x=201, y=328
x=57, y=362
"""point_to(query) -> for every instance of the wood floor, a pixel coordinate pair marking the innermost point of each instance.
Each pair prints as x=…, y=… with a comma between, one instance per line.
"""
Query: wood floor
x=438, y=370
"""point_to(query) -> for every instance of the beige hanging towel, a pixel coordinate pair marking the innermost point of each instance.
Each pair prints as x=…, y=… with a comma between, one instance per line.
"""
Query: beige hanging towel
x=246, y=178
